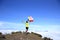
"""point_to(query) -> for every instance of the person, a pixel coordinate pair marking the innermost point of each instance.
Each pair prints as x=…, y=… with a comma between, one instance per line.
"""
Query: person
x=27, y=25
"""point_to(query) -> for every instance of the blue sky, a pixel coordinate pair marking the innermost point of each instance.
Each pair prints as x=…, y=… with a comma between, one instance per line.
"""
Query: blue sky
x=42, y=10
x=46, y=14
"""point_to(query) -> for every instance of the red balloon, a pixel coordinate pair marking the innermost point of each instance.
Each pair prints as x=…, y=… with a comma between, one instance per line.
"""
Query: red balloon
x=30, y=20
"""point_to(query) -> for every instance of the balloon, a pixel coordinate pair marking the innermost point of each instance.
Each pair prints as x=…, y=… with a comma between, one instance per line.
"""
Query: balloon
x=30, y=19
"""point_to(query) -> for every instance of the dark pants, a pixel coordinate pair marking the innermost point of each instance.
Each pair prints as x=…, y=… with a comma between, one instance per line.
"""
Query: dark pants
x=26, y=29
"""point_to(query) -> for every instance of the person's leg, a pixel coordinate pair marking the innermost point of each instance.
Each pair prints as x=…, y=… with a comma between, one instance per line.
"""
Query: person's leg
x=26, y=29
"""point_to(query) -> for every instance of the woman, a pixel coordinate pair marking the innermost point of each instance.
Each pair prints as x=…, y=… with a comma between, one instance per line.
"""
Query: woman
x=27, y=26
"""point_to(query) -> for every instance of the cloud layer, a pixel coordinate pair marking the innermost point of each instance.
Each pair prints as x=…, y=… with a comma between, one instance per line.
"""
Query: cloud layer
x=51, y=31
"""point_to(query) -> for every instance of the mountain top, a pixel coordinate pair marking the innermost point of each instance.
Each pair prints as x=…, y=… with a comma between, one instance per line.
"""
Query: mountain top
x=22, y=36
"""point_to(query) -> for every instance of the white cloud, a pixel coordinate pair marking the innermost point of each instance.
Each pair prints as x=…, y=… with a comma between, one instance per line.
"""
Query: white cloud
x=51, y=31
x=1, y=23
x=55, y=35
x=9, y=25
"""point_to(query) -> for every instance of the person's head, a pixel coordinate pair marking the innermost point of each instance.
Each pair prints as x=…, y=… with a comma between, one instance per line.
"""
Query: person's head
x=26, y=21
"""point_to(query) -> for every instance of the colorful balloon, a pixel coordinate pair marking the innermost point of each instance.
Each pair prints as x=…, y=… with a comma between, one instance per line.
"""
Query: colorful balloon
x=30, y=19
